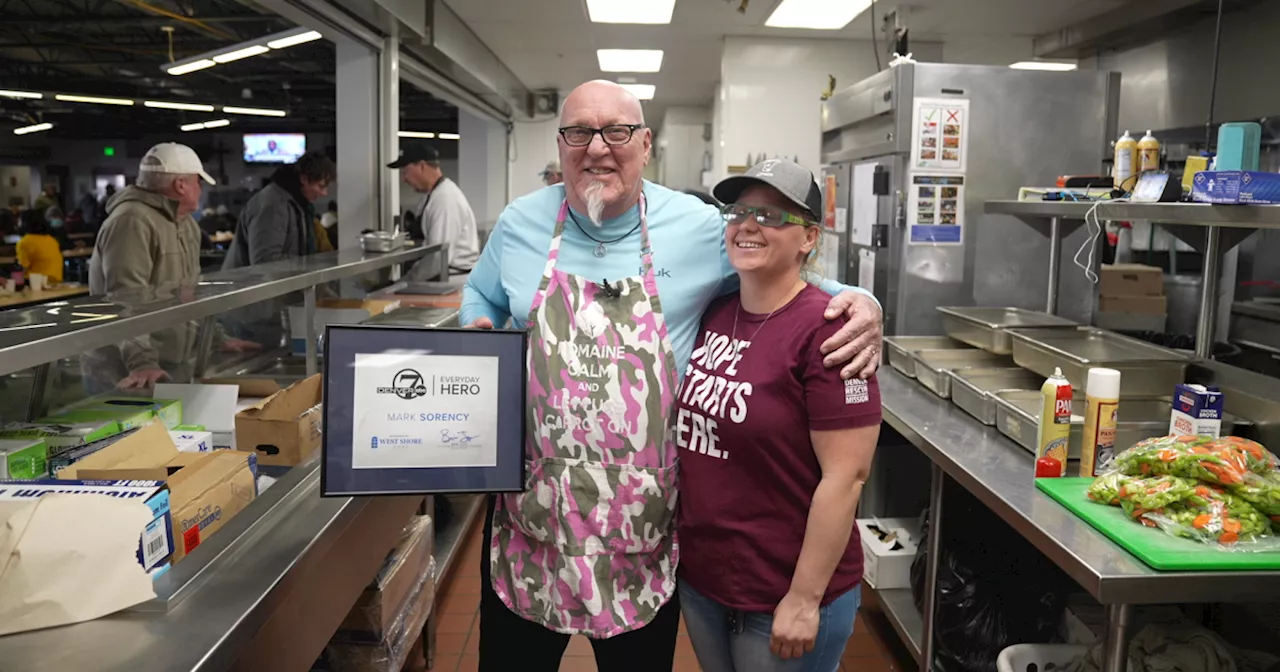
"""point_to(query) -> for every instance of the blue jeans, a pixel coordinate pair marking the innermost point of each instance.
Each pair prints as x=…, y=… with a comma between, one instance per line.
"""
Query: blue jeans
x=719, y=649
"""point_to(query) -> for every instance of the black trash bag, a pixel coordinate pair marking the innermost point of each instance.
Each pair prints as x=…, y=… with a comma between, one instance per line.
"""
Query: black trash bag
x=994, y=588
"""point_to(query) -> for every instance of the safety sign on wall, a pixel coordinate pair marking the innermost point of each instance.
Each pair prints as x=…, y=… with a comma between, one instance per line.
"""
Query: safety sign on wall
x=935, y=209
x=940, y=137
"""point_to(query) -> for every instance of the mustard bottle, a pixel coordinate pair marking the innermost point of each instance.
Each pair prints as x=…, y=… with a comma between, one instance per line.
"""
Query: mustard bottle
x=1102, y=408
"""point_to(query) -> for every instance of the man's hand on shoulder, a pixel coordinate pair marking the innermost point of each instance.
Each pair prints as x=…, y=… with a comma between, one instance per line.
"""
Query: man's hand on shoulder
x=857, y=344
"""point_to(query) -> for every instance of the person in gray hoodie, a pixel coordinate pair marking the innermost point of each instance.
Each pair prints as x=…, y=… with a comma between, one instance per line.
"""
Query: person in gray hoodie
x=277, y=223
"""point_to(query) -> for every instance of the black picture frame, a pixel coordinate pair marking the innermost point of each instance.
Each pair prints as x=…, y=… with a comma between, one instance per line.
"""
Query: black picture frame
x=342, y=343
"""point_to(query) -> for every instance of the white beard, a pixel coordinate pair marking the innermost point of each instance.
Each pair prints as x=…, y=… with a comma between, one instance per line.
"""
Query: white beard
x=595, y=202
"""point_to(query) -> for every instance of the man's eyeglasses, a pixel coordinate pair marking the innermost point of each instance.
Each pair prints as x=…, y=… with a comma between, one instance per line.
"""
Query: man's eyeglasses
x=581, y=136
x=738, y=214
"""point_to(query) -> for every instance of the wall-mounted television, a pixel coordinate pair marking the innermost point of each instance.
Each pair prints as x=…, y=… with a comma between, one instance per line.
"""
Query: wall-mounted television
x=274, y=147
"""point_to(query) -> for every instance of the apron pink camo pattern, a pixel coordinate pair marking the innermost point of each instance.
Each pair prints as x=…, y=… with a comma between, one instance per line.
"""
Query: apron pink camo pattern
x=590, y=548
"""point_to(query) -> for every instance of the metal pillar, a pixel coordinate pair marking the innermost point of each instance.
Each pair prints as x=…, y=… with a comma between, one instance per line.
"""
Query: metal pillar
x=359, y=142
x=204, y=344
x=309, y=314
x=1055, y=262
x=1115, y=648
x=1206, y=326
x=36, y=406
x=938, y=477
x=389, y=128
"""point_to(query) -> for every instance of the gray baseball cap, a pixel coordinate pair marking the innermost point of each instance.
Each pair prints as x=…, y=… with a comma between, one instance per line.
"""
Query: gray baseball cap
x=791, y=179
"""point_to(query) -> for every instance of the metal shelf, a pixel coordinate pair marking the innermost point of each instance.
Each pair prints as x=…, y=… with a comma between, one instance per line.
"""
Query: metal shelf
x=1195, y=214
x=900, y=609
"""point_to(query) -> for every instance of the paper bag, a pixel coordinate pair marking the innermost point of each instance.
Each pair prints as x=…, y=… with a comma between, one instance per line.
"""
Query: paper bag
x=69, y=558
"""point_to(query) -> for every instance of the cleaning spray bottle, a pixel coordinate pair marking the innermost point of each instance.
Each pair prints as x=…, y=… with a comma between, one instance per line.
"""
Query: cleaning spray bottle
x=1102, y=408
x=1055, y=426
x=1148, y=153
x=1126, y=162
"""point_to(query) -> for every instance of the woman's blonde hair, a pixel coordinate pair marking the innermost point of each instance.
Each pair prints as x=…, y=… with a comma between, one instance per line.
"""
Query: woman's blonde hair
x=812, y=267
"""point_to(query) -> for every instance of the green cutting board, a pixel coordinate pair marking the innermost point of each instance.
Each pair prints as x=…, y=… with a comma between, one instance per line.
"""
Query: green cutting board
x=1160, y=550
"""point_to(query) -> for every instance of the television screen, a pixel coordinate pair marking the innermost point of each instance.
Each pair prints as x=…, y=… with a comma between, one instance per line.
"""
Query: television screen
x=274, y=147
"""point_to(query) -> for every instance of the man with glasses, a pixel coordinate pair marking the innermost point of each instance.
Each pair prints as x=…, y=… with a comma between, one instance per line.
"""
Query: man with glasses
x=589, y=547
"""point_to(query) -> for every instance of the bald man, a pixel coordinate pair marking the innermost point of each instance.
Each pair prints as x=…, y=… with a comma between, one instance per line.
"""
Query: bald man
x=609, y=274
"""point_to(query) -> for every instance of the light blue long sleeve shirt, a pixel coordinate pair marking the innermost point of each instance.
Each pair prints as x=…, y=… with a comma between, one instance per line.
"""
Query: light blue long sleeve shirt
x=689, y=259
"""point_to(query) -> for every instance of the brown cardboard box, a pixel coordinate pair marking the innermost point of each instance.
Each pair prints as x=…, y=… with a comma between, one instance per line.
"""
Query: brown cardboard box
x=375, y=612
x=1133, y=305
x=1131, y=280
x=143, y=455
x=283, y=429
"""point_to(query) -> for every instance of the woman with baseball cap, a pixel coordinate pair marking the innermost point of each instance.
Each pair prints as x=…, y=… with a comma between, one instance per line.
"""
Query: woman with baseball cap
x=776, y=448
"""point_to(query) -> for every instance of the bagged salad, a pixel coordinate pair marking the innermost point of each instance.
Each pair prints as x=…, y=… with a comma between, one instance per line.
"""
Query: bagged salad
x=1210, y=515
x=1225, y=461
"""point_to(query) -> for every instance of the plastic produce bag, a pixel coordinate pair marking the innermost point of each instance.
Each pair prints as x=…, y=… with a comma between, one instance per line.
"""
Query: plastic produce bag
x=1226, y=461
x=1263, y=493
x=1209, y=514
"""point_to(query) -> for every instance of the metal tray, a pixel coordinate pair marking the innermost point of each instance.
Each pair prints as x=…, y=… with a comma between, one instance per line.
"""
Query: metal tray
x=899, y=350
x=1146, y=370
x=971, y=389
x=932, y=366
x=1018, y=417
x=987, y=328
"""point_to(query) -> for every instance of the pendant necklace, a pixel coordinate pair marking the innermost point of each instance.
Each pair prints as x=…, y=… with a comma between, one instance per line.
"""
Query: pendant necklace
x=734, y=336
x=600, y=250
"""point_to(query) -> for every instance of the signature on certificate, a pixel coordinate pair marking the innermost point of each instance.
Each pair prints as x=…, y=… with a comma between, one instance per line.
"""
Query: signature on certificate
x=459, y=438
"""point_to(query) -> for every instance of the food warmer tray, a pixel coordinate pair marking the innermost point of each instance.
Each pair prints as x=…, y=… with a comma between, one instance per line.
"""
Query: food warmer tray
x=1146, y=370
x=972, y=389
x=1018, y=417
x=899, y=349
x=933, y=366
x=987, y=328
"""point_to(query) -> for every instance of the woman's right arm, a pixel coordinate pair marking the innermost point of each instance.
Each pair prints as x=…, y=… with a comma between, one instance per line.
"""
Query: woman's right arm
x=483, y=297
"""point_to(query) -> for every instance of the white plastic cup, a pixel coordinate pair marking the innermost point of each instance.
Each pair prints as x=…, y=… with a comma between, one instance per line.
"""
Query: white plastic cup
x=10, y=286
x=37, y=282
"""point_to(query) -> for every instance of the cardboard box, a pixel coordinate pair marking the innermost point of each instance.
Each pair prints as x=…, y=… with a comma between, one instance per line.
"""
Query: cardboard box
x=192, y=442
x=143, y=455
x=375, y=612
x=74, y=455
x=156, y=545
x=883, y=567
x=1197, y=411
x=125, y=418
x=211, y=407
x=1230, y=187
x=1134, y=305
x=207, y=493
x=167, y=411
x=283, y=429
x=23, y=459
x=1131, y=280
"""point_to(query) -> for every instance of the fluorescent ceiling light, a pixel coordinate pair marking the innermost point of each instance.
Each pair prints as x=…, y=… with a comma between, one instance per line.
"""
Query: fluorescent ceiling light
x=254, y=110
x=1057, y=66
x=199, y=64
x=245, y=52
x=641, y=91
x=32, y=129
x=217, y=123
x=449, y=136
x=93, y=99
x=630, y=60
x=178, y=106
x=294, y=40
x=192, y=127
x=631, y=11
x=416, y=134
x=21, y=94
x=816, y=14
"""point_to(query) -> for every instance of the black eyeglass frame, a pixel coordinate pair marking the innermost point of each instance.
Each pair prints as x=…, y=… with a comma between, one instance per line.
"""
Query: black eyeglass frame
x=631, y=132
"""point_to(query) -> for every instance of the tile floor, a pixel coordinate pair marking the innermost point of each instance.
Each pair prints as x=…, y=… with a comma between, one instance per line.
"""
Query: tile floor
x=874, y=646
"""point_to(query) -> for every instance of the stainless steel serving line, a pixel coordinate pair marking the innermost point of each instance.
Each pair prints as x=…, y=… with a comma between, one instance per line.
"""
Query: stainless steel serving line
x=999, y=473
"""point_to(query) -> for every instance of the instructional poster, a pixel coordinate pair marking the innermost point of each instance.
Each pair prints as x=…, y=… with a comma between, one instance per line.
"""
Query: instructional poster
x=424, y=411
x=935, y=209
x=940, y=140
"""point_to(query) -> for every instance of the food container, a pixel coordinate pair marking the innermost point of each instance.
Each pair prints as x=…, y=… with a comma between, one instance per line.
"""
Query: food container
x=1018, y=417
x=933, y=366
x=899, y=350
x=971, y=389
x=1146, y=370
x=987, y=328
x=381, y=241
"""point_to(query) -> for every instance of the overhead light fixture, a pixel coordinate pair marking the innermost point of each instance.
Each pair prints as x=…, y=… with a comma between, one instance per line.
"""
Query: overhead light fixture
x=254, y=111
x=816, y=14
x=21, y=94
x=630, y=60
x=246, y=52
x=192, y=66
x=630, y=11
x=449, y=136
x=32, y=129
x=92, y=99
x=294, y=40
x=194, y=107
x=416, y=134
x=1054, y=66
x=641, y=91
x=192, y=127
x=216, y=123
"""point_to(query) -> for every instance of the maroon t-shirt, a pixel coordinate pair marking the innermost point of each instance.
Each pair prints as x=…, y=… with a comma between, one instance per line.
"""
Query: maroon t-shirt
x=747, y=467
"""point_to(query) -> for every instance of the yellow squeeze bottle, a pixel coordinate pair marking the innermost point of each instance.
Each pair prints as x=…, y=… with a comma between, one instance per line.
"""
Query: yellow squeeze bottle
x=1148, y=153
x=1102, y=407
x=1055, y=426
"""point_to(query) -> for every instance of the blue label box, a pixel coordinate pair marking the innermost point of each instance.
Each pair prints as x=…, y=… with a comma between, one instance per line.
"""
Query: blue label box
x=1236, y=186
x=1197, y=411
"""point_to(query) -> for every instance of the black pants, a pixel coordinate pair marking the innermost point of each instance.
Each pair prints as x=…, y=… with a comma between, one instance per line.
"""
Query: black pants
x=509, y=642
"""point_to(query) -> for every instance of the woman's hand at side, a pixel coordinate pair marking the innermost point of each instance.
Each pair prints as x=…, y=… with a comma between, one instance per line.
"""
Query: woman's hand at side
x=795, y=626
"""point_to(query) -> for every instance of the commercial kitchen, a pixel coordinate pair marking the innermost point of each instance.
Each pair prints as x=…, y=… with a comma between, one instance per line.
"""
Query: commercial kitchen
x=1031, y=191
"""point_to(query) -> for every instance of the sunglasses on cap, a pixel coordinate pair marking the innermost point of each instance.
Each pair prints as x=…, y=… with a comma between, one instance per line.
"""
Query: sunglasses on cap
x=769, y=217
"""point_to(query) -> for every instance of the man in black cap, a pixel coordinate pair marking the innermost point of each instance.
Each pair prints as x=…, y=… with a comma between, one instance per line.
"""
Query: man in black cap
x=445, y=215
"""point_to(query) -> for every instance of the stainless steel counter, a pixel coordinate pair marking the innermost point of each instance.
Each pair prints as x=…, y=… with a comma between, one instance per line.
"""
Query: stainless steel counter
x=1201, y=214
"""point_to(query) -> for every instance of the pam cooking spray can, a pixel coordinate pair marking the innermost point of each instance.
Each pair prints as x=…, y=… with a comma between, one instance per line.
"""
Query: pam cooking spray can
x=1126, y=162
x=1055, y=426
x=1148, y=153
x=1102, y=408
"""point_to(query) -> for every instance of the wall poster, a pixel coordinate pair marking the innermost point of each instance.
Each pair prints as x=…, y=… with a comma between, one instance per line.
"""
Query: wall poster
x=940, y=138
x=935, y=209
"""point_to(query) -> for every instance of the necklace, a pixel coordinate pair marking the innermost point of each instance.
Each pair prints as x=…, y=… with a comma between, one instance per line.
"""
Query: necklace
x=738, y=312
x=600, y=251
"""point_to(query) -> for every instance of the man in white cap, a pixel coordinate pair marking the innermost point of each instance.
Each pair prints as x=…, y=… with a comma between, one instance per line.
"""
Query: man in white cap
x=552, y=175
x=149, y=240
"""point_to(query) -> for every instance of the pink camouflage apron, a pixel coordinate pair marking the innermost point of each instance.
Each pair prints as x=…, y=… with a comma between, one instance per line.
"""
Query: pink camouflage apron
x=590, y=548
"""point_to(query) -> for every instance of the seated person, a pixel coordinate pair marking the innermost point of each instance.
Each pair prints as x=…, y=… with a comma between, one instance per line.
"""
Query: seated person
x=38, y=250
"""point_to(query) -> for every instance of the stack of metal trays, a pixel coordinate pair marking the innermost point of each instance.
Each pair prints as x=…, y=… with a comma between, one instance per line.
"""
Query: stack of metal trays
x=988, y=328
x=1018, y=417
x=1146, y=370
x=933, y=367
x=974, y=389
x=900, y=350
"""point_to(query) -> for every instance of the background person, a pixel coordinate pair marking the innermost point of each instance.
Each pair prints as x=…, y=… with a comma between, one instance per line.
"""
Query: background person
x=38, y=250
x=769, y=489
x=552, y=175
x=277, y=223
x=445, y=214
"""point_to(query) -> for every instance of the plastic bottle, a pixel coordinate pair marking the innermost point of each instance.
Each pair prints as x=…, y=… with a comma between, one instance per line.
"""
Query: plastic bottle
x=1148, y=153
x=1055, y=426
x=1126, y=162
x=1102, y=406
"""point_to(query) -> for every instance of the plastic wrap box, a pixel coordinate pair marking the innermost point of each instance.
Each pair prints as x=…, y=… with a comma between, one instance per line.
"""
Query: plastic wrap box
x=23, y=459
x=374, y=614
x=882, y=567
x=167, y=411
x=61, y=437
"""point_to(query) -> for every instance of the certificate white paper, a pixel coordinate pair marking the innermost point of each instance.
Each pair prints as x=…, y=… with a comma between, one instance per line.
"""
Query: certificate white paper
x=423, y=411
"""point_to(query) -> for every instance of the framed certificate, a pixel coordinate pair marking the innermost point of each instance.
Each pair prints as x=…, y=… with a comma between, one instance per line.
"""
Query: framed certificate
x=415, y=411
